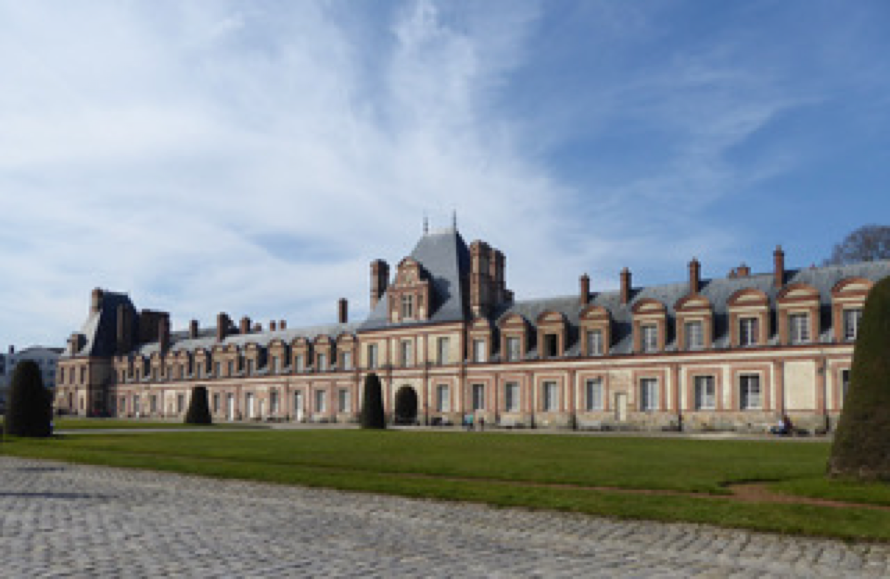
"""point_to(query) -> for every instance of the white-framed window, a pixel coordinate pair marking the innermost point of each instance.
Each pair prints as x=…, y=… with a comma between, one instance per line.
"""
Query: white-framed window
x=511, y=397
x=443, y=398
x=695, y=335
x=346, y=360
x=852, y=319
x=153, y=403
x=249, y=403
x=216, y=403
x=551, y=397
x=407, y=306
x=594, y=391
x=321, y=401
x=442, y=351
x=749, y=331
x=136, y=404
x=372, y=355
x=705, y=393
x=648, y=394
x=478, y=397
x=274, y=402
x=479, y=350
x=344, y=404
x=406, y=350
x=299, y=363
x=595, y=343
x=230, y=370
x=845, y=383
x=321, y=362
x=799, y=328
x=250, y=367
x=276, y=364
x=180, y=402
x=649, y=337
x=749, y=391
x=513, y=352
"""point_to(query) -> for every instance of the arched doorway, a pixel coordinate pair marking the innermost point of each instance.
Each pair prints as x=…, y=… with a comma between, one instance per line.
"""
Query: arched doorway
x=406, y=406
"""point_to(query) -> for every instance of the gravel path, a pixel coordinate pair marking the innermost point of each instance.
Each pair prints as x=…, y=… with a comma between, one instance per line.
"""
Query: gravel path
x=59, y=520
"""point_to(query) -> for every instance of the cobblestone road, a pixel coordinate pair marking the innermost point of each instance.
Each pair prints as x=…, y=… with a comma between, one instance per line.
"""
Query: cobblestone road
x=81, y=521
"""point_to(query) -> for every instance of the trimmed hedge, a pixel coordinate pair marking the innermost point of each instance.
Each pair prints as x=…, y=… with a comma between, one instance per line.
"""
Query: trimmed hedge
x=861, y=446
x=199, y=408
x=30, y=408
x=372, y=403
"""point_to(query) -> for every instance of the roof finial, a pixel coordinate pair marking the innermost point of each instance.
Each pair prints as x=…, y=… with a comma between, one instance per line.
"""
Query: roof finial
x=426, y=224
x=454, y=219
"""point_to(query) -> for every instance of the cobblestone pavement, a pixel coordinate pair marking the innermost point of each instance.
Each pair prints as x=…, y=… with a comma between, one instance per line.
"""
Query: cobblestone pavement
x=59, y=520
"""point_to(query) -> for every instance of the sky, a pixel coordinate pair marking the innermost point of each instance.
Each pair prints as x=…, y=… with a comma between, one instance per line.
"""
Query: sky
x=254, y=157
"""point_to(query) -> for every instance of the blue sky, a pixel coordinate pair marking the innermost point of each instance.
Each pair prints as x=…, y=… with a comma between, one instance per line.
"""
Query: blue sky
x=254, y=157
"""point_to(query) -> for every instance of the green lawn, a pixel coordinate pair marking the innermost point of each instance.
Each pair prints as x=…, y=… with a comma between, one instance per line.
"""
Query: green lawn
x=536, y=471
x=118, y=424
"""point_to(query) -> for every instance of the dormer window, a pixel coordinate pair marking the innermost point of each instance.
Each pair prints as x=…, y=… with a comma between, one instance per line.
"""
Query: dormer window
x=513, y=352
x=748, y=332
x=695, y=336
x=852, y=319
x=407, y=307
x=649, y=338
x=479, y=350
x=800, y=328
x=595, y=343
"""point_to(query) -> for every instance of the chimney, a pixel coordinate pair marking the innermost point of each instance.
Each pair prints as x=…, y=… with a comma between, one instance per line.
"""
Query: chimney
x=282, y=324
x=258, y=328
x=11, y=350
x=779, y=270
x=273, y=326
x=743, y=271
x=694, y=276
x=625, y=286
x=96, y=301
x=193, y=329
x=164, y=333
x=342, y=311
x=244, y=327
x=584, y=298
x=222, y=326
x=379, y=280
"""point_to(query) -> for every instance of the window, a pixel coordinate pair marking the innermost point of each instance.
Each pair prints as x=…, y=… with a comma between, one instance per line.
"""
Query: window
x=407, y=307
x=551, y=397
x=594, y=394
x=231, y=368
x=250, y=367
x=443, y=401
x=551, y=345
x=852, y=319
x=83, y=374
x=123, y=403
x=442, y=351
x=513, y=349
x=153, y=403
x=595, y=343
x=749, y=391
x=343, y=400
x=180, y=403
x=649, y=338
x=511, y=397
x=705, y=394
x=479, y=350
x=372, y=355
x=215, y=403
x=478, y=397
x=800, y=328
x=749, y=331
x=346, y=360
x=276, y=364
x=648, y=394
x=299, y=363
x=250, y=409
x=322, y=363
x=845, y=384
x=273, y=402
x=695, y=336
x=321, y=401
x=136, y=404
x=406, y=351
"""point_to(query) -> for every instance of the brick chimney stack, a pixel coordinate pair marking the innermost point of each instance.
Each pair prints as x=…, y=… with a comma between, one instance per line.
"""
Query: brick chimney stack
x=244, y=327
x=694, y=276
x=222, y=326
x=584, y=283
x=96, y=301
x=164, y=333
x=342, y=311
x=193, y=329
x=273, y=326
x=282, y=324
x=625, y=286
x=779, y=269
x=379, y=280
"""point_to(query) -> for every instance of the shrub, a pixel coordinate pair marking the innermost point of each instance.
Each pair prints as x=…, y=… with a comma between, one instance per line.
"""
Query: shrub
x=30, y=408
x=372, y=403
x=199, y=409
x=861, y=446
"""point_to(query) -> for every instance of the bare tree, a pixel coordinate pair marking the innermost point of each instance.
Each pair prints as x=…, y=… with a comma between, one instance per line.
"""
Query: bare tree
x=868, y=243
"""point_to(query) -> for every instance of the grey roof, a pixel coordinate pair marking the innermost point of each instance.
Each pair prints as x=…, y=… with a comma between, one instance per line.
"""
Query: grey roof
x=446, y=260
x=100, y=329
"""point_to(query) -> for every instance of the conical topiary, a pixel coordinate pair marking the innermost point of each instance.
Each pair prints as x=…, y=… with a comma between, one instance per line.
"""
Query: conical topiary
x=199, y=409
x=372, y=403
x=861, y=446
x=30, y=408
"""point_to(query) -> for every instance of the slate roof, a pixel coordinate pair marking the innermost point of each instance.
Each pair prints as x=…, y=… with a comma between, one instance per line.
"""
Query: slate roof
x=446, y=259
x=100, y=328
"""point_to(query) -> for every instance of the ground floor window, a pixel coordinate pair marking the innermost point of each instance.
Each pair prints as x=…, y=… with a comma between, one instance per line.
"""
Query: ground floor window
x=749, y=391
x=648, y=394
x=321, y=401
x=136, y=404
x=343, y=401
x=216, y=403
x=705, y=394
x=511, y=397
x=180, y=403
x=551, y=397
x=443, y=400
x=273, y=402
x=153, y=403
x=845, y=384
x=478, y=397
x=249, y=403
x=594, y=393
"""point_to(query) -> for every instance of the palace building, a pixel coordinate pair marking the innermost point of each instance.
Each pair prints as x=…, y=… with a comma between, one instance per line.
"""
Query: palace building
x=447, y=338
